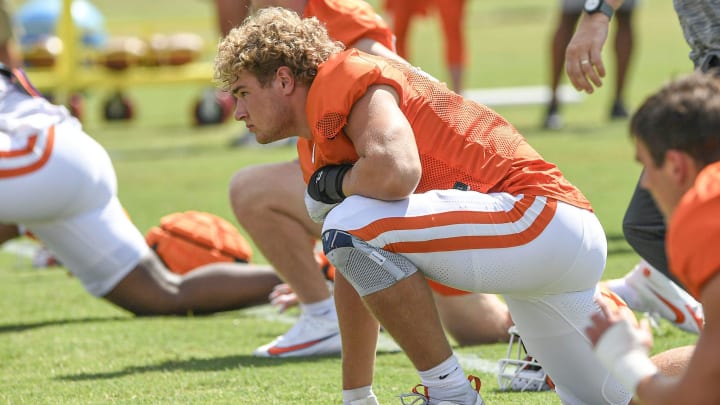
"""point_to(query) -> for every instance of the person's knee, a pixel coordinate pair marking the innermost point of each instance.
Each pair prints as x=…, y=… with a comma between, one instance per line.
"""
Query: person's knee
x=367, y=268
x=255, y=189
x=250, y=192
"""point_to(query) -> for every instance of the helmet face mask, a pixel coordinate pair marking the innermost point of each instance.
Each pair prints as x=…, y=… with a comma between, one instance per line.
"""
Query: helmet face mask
x=519, y=371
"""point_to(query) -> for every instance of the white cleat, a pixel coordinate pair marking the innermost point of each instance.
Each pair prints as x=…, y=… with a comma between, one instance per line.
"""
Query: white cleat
x=310, y=336
x=422, y=398
x=660, y=295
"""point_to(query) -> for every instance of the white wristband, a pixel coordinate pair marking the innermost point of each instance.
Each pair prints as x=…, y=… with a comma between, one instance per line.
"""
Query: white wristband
x=623, y=354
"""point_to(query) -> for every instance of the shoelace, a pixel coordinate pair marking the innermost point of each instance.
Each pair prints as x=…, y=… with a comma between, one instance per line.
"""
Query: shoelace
x=423, y=398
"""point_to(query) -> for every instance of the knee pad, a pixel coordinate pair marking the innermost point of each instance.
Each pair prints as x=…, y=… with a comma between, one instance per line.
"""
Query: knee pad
x=367, y=268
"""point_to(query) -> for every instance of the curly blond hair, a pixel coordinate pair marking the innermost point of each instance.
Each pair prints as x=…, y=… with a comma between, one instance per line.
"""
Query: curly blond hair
x=269, y=39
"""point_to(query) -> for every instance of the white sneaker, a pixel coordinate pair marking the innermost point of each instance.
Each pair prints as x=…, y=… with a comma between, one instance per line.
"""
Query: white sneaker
x=310, y=336
x=659, y=295
x=422, y=398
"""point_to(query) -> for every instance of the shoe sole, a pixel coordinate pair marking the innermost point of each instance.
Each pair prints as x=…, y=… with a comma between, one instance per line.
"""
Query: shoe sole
x=317, y=347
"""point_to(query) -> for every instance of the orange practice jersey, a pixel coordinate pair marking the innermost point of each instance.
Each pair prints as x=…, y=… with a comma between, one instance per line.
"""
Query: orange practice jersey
x=694, y=232
x=348, y=21
x=458, y=140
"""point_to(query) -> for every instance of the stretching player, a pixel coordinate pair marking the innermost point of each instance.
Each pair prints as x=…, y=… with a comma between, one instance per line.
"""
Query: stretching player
x=60, y=184
x=411, y=181
x=268, y=202
x=678, y=143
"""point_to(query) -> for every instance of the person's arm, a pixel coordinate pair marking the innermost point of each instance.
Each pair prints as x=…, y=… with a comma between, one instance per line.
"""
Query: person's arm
x=388, y=167
x=619, y=345
x=583, y=55
x=698, y=384
x=374, y=47
x=230, y=14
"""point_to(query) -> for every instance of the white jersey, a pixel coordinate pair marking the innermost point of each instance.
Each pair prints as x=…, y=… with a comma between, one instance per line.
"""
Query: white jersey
x=60, y=184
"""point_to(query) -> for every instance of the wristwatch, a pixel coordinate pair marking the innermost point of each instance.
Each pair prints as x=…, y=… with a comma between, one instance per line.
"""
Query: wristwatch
x=598, y=6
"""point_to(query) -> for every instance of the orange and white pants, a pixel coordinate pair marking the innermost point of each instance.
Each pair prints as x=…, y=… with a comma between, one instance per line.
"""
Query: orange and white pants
x=544, y=256
x=60, y=184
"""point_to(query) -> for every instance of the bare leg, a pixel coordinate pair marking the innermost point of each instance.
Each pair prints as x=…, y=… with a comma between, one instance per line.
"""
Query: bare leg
x=7, y=232
x=398, y=308
x=268, y=202
x=624, y=41
x=402, y=13
x=359, y=332
x=452, y=16
x=474, y=319
x=674, y=362
x=151, y=289
x=561, y=38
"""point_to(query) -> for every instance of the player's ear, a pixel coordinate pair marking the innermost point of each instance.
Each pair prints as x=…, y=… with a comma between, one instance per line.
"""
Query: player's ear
x=285, y=79
x=681, y=165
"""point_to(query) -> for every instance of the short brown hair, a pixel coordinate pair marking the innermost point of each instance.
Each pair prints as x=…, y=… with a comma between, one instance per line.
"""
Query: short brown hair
x=684, y=115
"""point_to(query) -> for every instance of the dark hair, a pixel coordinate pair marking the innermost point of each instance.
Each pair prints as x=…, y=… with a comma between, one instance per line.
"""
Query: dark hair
x=684, y=115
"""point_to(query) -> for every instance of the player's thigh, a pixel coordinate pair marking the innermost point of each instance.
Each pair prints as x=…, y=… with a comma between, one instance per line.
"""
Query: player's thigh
x=491, y=243
x=274, y=184
x=77, y=176
x=99, y=246
x=552, y=329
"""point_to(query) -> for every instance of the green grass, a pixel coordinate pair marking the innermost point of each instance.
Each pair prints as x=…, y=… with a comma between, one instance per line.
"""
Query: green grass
x=58, y=345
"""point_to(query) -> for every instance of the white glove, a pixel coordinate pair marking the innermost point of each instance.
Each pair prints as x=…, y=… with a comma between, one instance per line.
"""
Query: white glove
x=317, y=210
x=622, y=352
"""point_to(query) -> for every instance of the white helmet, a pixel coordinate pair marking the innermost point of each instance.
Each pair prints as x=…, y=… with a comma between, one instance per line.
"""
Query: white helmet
x=519, y=371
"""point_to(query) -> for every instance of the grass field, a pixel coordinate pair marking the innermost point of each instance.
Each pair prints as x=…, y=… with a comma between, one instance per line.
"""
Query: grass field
x=58, y=345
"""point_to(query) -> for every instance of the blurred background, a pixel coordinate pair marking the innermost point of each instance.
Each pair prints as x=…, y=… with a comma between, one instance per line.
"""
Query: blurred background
x=158, y=54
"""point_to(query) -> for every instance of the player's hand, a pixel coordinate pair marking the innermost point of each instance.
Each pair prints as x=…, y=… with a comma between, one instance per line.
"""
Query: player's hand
x=583, y=55
x=283, y=297
x=317, y=210
x=609, y=317
x=622, y=345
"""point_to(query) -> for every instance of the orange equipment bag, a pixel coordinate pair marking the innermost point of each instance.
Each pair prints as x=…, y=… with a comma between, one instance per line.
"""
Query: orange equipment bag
x=187, y=240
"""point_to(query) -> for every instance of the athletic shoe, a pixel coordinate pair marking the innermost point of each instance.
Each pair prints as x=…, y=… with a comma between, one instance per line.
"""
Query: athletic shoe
x=659, y=295
x=553, y=119
x=310, y=336
x=618, y=111
x=422, y=398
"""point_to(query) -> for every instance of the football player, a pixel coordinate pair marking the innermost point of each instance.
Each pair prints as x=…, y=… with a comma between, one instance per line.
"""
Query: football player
x=413, y=182
x=678, y=144
x=650, y=286
x=268, y=202
x=60, y=184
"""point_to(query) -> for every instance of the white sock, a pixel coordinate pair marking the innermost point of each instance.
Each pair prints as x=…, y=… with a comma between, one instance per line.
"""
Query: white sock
x=446, y=381
x=355, y=394
x=324, y=308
